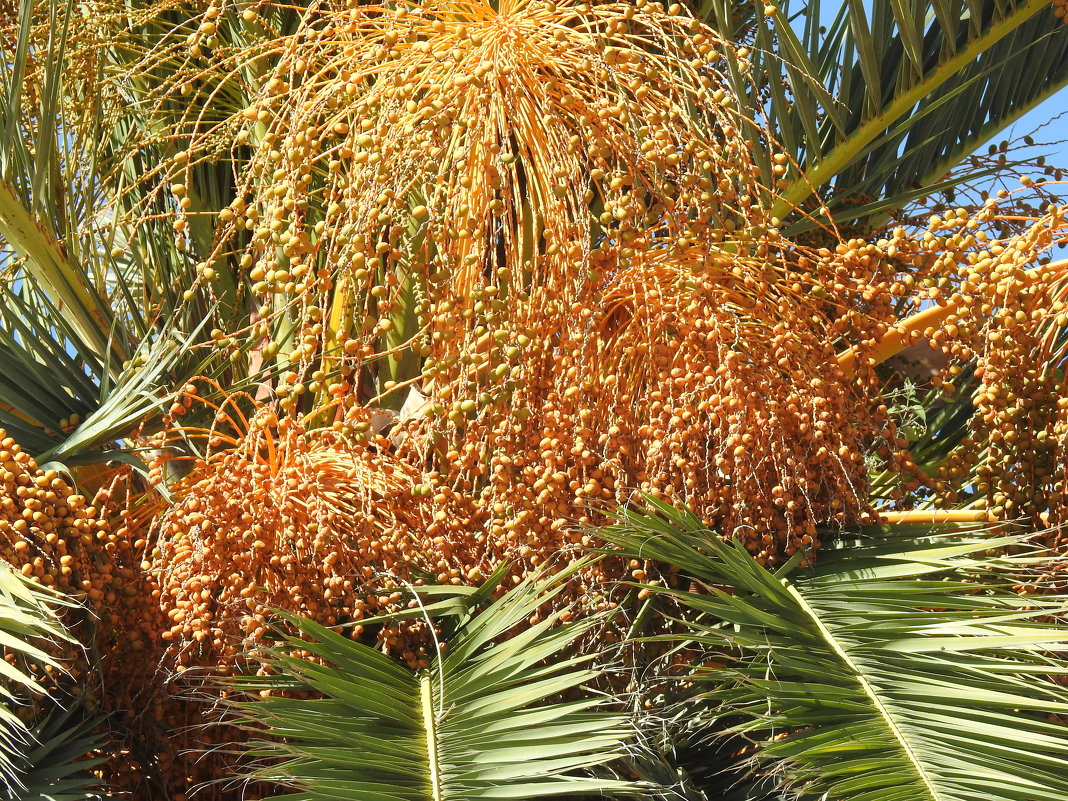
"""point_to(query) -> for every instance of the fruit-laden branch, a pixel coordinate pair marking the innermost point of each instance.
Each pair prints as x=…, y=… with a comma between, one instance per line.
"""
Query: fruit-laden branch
x=901, y=335
x=896, y=340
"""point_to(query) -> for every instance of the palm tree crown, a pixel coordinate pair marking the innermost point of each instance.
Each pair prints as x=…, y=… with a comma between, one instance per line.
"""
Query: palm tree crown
x=336, y=336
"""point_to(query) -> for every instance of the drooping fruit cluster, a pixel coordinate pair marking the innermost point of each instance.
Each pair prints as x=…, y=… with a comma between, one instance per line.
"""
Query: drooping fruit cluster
x=999, y=308
x=706, y=376
x=50, y=532
x=451, y=197
x=278, y=515
x=991, y=306
x=61, y=538
x=443, y=141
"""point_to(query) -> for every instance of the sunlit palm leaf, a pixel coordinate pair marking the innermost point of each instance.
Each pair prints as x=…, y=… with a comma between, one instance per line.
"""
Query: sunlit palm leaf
x=880, y=106
x=96, y=322
x=46, y=186
x=896, y=669
x=484, y=721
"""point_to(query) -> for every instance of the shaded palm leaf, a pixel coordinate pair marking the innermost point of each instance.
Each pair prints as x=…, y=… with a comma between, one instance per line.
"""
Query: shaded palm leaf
x=54, y=766
x=28, y=625
x=934, y=425
x=901, y=668
x=98, y=326
x=479, y=723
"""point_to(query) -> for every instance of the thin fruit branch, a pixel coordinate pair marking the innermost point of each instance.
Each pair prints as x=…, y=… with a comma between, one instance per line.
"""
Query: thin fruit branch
x=936, y=516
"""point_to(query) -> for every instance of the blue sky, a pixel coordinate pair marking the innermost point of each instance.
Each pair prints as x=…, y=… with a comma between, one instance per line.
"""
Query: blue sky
x=1051, y=137
x=1054, y=128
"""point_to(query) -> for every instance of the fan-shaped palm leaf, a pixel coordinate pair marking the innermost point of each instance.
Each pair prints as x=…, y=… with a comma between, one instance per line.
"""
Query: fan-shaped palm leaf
x=485, y=721
x=54, y=767
x=897, y=669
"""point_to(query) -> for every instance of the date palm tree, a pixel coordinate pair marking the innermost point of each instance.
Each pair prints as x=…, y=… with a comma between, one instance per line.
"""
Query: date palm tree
x=316, y=310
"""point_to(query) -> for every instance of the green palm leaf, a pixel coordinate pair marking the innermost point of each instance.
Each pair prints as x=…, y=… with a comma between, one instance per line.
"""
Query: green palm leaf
x=879, y=107
x=98, y=319
x=54, y=766
x=43, y=760
x=898, y=669
x=42, y=186
x=484, y=721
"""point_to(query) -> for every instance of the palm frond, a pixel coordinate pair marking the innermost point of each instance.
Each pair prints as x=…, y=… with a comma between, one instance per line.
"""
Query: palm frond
x=40, y=197
x=486, y=720
x=901, y=668
x=28, y=625
x=54, y=766
x=97, y=321
x=878, y=107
